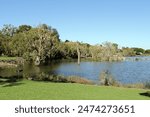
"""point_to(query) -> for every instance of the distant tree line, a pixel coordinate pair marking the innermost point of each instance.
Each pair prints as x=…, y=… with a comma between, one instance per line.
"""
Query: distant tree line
x=42, y=43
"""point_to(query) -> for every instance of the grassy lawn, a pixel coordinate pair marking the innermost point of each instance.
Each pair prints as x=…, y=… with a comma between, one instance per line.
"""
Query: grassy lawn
x=26, y=90
x=7, y=58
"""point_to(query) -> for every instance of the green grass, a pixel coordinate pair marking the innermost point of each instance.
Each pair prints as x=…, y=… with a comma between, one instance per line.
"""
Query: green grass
x=7, y=58
x=32, y=90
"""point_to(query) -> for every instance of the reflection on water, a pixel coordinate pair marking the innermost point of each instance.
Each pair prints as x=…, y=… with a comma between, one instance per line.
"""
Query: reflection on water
x=128, y=71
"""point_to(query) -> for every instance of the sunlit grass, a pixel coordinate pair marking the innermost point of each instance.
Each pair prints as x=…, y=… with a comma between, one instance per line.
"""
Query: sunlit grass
x=35, y=90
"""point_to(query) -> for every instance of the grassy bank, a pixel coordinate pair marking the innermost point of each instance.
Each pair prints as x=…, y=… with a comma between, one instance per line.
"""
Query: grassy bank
x=25, y=90
x=7, y=58
x=8, y=62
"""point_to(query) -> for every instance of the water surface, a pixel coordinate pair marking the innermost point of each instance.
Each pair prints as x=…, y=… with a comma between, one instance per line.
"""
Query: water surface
x=132, y=70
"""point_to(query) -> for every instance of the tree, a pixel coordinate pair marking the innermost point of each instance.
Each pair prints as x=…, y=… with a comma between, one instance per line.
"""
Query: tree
x=42, y=43
x=110, y=51
x=5, y=45
x=96, y=52
x=84, y=50
x=106, y=52
x=1, y=48
x=126, y=51
x=69, y=50
x=139, y=51
x=23, y=28
x=66, y=41
x=147, y=51
x=18, y=44
x=8, y=30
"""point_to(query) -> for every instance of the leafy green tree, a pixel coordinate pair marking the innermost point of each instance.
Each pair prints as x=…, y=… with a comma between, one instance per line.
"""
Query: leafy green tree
x=84, y=49
x=1, y=48
x=147, y=51
x=126, y=51
x=42, y=43
x=106, y=52
x=23, y=28
x=5, y=45
x=139, y=51
x=18, y=44
x=96, y=52
x=69, y=50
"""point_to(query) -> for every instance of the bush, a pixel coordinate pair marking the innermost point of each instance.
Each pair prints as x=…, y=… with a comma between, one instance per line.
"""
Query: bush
x=57, y=78
x=53, y=78
x=107, y=79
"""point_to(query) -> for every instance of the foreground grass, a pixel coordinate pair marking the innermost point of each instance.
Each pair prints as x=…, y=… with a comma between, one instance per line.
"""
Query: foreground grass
x=7, y=58
x=31, y=90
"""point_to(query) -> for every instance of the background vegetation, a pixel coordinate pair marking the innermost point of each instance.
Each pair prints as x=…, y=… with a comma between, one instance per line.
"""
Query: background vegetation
x=41, y=44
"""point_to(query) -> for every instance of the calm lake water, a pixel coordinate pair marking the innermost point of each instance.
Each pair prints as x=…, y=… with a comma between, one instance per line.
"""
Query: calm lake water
x=132, y=70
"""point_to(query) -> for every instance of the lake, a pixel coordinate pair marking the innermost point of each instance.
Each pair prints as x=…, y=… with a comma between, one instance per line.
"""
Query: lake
x=131, y=70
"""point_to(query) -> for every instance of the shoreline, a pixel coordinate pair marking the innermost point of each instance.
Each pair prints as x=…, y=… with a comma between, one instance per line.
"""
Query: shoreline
x=5, y=64
x=8, y=63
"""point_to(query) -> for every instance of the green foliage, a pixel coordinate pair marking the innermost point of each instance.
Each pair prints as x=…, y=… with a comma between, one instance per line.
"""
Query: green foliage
x=147, y=51
x=18, y=45
x=1, y=48
x=23, y=28
x=41, y=44
x=128, y=51
x=5, y=49
x=57, y=78
x=139, y=51
x=52, y=78
x=106, y=52
x=69, y=50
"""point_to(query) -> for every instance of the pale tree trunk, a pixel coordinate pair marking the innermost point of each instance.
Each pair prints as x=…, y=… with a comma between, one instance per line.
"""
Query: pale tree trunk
x=37, y=60
x=78, y=51
x=92, y=55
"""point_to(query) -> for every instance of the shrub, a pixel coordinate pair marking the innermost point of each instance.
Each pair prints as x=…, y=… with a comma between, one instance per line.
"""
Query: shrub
x=53, y=78
x=107, y=79
x=57, y=78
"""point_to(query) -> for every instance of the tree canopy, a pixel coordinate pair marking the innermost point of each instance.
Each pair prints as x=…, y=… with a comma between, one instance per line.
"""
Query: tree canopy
x=42, y=43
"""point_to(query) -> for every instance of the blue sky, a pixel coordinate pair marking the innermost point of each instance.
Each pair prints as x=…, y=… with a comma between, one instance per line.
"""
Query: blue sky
x=126, y=22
